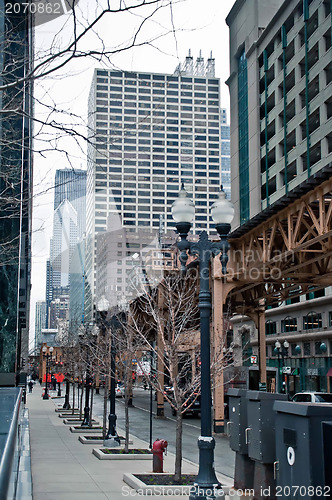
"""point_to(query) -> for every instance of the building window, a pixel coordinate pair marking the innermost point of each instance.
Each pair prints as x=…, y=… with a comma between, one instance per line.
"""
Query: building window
x=270, y=327
x=243, y=138
x=306, y=348
x=330, y=318
x=288, y=324
x=312, y=321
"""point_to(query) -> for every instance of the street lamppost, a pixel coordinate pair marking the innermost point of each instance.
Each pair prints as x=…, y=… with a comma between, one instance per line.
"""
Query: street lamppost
x=301, y=368
x=222, y=212
x=86, y=416
x=282, y=353
x=111, y=439
x=47, y=356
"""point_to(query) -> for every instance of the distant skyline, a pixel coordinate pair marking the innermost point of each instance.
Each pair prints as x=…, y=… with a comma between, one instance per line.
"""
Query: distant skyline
x=199, y=29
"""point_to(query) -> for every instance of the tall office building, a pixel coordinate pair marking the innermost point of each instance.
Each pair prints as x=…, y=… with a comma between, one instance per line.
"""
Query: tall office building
x=40, y=320
x=70, y=185
x=15, y=190
x=77, y=287
x=151, y=132
x=281, y=150
x=68, y=230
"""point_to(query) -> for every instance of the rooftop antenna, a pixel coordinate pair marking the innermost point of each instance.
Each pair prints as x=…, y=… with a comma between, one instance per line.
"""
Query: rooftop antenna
x=210, y=67
x=188, y=67
x=200, y=65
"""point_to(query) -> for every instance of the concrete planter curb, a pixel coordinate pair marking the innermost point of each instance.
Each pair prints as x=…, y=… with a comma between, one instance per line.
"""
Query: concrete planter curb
x=68, y=412
x=160, y=489
x=73, y=421
x=69, y=415
x=84, y=440
x=85, y=430
x=105, y=456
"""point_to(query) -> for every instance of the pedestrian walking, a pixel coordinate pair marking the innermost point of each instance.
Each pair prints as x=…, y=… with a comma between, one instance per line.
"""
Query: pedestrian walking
x=30, y=385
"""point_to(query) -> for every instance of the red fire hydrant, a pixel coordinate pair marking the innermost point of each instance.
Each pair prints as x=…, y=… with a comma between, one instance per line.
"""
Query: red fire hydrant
x=158, y=448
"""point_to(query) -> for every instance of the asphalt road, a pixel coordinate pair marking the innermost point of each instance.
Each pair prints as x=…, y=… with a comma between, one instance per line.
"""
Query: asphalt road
x=164, y=428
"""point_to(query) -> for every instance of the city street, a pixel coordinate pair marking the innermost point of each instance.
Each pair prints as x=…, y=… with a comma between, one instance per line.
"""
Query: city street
x=164, y=428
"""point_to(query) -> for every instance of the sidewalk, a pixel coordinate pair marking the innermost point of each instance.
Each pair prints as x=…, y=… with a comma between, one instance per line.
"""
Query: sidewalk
x=65, y=469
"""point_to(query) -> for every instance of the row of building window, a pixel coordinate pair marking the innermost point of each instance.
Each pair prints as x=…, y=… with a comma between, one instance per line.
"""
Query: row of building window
x=154, y=77
x=311, y=321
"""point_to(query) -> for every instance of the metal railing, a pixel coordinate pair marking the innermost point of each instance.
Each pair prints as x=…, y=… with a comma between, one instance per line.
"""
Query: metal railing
x=11, y=408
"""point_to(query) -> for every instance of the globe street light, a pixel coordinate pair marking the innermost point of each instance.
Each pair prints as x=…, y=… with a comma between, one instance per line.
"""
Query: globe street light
x=111, y=439
x=47, y=356
x=282, y=353
x=206, y=485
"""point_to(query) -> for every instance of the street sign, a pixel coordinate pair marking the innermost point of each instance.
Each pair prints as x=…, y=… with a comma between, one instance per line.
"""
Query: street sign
x=287, y=370
x=253, y=360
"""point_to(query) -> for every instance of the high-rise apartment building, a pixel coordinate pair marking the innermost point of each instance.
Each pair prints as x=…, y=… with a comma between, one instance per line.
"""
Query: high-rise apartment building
x=16, y=59
x=152, y=132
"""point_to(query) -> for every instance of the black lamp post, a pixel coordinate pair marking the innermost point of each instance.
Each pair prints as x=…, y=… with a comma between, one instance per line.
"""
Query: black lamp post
x=66, y=405
x=302, y=377
x=206, y=485
x=282, y=353
x=111, y=439
x=47, y=356
x=86, y=412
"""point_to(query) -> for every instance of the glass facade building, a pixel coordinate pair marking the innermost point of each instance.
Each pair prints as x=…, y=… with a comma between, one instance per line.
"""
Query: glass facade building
x=15, y=191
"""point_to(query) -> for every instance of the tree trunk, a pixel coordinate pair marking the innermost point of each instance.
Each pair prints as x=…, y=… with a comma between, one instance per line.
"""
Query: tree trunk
x=81, y=402
x=73, y=407
x=178, y=447
x=127, y=421
x=91, y=405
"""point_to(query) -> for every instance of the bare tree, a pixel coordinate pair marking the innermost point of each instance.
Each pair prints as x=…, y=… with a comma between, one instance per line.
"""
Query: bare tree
x=166, y=320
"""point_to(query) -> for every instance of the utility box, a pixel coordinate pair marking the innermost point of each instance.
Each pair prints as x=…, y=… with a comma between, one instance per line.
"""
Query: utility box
x=261, y=425
x=303, y=448
x=238, y=419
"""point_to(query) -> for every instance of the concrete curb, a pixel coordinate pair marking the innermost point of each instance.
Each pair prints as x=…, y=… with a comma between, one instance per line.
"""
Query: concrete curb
x=160, y=489
x=104, y=456
x=73, y=421
x=98, y=440
x=80, y=429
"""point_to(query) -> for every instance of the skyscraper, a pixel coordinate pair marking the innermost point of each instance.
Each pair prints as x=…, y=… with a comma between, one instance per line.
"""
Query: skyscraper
x=16, y=58
x=71, y=185
x=152, y=132
x=40, y=319
x=68, y=230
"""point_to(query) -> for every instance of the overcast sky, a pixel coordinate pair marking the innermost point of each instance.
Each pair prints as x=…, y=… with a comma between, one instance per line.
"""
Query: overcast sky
x=199, y=25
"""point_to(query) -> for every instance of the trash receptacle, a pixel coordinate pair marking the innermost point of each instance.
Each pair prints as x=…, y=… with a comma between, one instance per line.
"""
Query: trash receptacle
x=260, y=434
x=303, y=449
x=237, y=424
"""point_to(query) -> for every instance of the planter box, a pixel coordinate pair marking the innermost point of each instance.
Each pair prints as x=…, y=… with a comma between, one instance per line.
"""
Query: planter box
x=63, y=410
x=73, y=421
x=97, y=440
x=160, y=489
x=85, y=430
x=120, y=456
